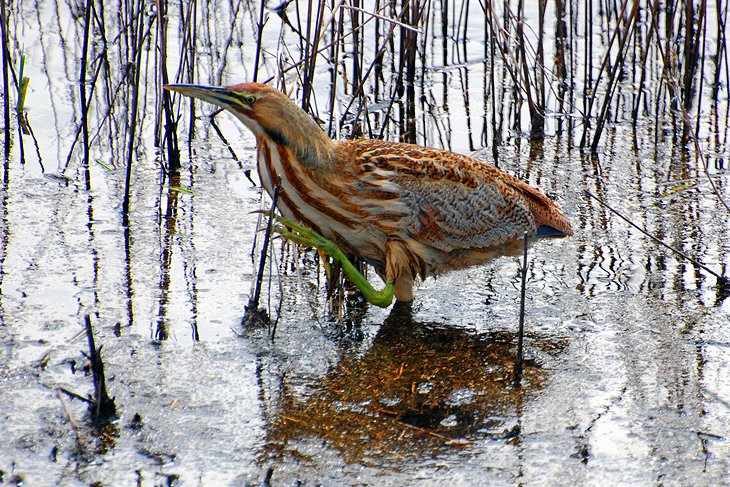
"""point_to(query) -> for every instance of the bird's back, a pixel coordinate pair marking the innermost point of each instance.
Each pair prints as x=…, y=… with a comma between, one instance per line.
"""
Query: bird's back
x=449, y=209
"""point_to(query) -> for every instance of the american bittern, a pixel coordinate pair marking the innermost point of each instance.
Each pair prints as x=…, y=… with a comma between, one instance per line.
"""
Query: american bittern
x=408, y=211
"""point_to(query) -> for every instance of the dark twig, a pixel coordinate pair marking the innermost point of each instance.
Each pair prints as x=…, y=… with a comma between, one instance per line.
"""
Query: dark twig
x=82, y=91
x=654, y=9
x=6, y=82
x=170, y=134
x=253, y=314
x=102, y=407
x=259, y=33
x=521, y=333
x=73, y=395
x=722, y=281
x=133, y=117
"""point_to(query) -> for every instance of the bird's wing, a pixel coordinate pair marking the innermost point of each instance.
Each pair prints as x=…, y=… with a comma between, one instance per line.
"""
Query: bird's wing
x=446, y=200
x=450, y=215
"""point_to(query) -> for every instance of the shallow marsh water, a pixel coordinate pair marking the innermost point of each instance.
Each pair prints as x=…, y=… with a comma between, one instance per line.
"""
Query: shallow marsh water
x=628, y=377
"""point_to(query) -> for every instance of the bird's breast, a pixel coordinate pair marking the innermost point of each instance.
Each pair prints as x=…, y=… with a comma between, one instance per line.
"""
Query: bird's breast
x=329, y=205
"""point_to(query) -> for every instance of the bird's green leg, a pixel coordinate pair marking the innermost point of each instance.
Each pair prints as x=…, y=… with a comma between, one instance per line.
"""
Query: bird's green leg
x=305, y=236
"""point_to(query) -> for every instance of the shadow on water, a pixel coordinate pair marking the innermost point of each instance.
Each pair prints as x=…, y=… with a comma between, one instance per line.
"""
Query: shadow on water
x=418, y=390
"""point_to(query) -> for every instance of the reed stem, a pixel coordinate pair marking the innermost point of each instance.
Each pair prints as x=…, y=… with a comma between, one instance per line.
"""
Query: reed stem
x=6, y=81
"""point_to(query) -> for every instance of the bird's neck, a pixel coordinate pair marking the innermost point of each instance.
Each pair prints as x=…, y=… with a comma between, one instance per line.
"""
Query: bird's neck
x=304, y=137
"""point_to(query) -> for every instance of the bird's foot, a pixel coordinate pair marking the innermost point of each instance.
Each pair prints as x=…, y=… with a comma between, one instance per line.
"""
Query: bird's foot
x=301, y=235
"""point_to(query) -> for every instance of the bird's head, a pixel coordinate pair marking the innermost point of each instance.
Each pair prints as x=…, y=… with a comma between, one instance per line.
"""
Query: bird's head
x=271, y=116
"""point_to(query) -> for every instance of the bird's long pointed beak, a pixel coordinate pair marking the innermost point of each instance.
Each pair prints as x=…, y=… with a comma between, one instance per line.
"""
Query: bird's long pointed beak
x=216, y=95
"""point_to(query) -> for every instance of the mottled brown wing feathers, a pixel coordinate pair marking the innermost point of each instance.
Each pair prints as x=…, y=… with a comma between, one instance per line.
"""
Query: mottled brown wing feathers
x=454, y=201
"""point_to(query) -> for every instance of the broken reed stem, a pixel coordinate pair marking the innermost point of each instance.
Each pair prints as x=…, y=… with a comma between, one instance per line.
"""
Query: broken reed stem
x=692, y=40
x=383, y=17
x=273, y=326
x=605, y=66
x=82, y=92
x=69, y=416
x=334, y=55
x=23, y=82
x=259, y=35
x=6, y=81
x=722, y=281
x=536, y=93
x=253, y=303
x=562, y=45
x=311, y=46
x=407, y=88
x=357, y=53
x=102, y=408
x=521, y=332
x=703, y=28
x=490, y=37
x=187, y=66
x=644, y=68
x=722, y=52
x=170, y=133
x=588, y=93
x=133, y=116
x=540, y=65
x=618, y=65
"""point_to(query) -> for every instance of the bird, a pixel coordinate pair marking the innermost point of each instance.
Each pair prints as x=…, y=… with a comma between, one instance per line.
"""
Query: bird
x=408, y=211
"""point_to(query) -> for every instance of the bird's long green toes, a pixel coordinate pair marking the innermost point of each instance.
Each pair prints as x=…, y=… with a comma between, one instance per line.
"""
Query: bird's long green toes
x=305, y=236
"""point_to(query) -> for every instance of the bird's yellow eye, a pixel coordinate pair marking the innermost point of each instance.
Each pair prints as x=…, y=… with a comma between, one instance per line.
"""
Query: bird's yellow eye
x=249, y=99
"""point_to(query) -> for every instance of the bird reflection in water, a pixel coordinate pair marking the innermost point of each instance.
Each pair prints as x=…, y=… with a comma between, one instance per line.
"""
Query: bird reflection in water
x=419, y=389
